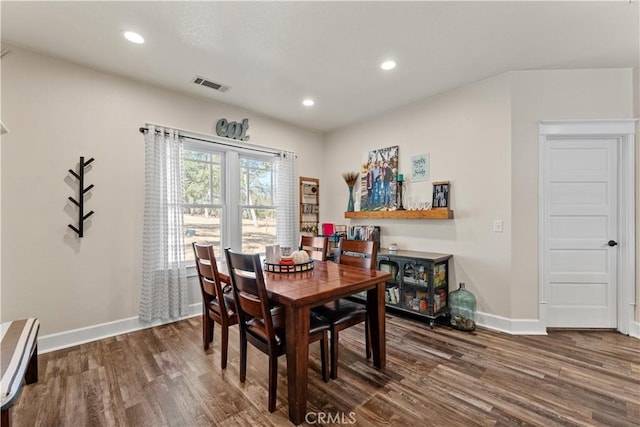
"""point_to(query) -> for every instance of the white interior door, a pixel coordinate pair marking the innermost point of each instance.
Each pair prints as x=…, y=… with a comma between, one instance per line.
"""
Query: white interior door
x=580, y=215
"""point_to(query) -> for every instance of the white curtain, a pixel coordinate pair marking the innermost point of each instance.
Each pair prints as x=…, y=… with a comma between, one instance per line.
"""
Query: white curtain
x=164, y=277
x=286, y=199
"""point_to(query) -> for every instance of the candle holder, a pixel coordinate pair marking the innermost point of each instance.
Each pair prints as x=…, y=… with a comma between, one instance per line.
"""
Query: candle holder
x=399, y=197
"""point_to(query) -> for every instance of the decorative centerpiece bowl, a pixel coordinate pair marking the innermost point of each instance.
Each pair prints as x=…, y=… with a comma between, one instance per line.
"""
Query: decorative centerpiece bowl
x=294, y=262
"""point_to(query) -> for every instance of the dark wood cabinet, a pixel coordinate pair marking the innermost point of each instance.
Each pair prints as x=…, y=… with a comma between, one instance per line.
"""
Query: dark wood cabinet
x=419, y=284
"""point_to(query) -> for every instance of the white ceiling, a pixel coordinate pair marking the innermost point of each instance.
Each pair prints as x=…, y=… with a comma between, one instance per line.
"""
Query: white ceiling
x=273, y=54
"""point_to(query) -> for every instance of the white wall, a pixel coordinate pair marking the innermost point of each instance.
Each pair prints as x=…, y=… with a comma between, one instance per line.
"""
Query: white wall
x=57, y=111
x=636, y=114
x=550, y=95
x=484, y=138
x=466, y=133
x=1, y=138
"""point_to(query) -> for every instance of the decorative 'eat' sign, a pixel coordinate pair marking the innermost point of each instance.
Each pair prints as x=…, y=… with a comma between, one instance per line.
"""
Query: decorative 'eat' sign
x=233, y=130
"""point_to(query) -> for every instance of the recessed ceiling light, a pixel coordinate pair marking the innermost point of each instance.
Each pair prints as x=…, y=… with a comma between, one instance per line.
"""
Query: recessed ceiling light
x=134, y=37
x=308, y=102
x=388, y=65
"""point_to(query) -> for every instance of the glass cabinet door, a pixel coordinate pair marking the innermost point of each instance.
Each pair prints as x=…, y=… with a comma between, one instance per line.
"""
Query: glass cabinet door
x=440, y=286
x=392, y=292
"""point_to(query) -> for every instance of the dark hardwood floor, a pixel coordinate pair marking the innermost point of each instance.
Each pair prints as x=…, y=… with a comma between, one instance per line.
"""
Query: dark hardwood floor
x=440, y=377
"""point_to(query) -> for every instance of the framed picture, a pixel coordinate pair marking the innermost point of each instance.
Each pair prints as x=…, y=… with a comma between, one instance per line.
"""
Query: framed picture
x=378, y=179
x=420, y=167
x=441, y=194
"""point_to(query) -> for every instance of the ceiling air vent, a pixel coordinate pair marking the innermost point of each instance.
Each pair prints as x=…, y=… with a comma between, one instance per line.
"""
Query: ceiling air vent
x=208, y=83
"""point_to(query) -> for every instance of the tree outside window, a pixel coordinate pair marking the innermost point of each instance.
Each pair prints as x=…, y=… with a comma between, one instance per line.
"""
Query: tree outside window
x=205, y=200
x=258, y=208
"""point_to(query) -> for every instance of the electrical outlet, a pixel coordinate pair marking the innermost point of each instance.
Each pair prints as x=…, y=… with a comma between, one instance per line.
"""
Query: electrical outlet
x=498, y=226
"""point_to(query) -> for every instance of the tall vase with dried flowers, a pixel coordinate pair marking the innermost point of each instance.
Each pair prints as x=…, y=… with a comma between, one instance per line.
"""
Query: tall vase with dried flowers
x=350, y=178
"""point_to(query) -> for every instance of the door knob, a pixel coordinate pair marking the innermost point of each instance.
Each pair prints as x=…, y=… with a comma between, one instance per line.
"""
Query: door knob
x=612, y=243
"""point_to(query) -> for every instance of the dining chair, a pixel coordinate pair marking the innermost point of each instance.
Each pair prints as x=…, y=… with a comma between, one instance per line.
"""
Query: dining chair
x=262, y=323
x=315, y=246
x=343, y=313
x=218, y=304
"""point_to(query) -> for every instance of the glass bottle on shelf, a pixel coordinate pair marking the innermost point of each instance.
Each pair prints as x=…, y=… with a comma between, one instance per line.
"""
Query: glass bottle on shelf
x=462, y=304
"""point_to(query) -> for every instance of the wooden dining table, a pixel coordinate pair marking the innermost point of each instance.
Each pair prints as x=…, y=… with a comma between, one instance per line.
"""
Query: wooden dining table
x=299, y=292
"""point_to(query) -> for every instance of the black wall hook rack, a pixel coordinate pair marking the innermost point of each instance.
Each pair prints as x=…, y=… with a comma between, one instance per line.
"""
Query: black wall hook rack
x=81, y=191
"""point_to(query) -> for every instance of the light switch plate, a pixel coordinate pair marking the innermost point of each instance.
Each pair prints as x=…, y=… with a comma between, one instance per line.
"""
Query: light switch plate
x=498, y=226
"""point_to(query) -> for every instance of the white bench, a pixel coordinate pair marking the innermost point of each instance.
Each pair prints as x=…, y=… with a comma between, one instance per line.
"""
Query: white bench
x=18, y=360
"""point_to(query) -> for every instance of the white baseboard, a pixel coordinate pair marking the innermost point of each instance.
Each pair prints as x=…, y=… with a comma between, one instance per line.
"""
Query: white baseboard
x=527, y=326
x=74, y=337
x=511, y=326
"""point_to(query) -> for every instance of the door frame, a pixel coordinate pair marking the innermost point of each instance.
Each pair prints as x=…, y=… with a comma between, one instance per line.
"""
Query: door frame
x=624, y=132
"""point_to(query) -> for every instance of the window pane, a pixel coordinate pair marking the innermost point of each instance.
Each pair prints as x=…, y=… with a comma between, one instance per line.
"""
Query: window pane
x=197, y=182
x=196, y=155
x=256, y=182
x=258, y=229
x=202, y=181
x=202, y=225
x=216, y=184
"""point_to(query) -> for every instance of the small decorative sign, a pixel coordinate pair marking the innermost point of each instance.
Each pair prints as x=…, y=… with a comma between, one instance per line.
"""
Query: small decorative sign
x=441, y=194
x=420, y=167
x=233, y=130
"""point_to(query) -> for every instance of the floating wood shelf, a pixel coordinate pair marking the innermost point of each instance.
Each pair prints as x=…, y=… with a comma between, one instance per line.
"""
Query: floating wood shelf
x=436, y=213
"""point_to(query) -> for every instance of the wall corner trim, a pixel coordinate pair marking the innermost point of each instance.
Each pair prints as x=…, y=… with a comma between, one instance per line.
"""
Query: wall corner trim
x=511, y=326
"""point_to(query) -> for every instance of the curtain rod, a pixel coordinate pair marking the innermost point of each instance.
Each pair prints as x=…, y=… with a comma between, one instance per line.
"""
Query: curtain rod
x=214, y=140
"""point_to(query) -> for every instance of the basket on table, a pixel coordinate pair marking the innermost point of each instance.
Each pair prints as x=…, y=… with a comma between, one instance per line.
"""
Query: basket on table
x=288, y=268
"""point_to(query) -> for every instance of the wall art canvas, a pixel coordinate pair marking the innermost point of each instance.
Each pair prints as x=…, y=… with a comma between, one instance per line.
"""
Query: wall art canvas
x=378, y=185
x=420, y=167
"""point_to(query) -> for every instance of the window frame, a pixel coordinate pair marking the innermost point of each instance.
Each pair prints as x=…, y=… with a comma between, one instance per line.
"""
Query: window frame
x=273, y=206
x=211, y=149
x=231, y=207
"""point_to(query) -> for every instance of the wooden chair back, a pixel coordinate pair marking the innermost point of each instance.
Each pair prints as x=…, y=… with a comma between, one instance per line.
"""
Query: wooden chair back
x=261, y=323
x=250, y=292
x=315, y=246
x=359, y=253
x=207, y=267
